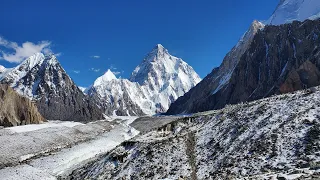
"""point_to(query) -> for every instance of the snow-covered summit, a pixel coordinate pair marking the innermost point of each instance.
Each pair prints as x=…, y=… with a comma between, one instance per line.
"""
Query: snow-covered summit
x=157, y=82
x=156, y=53
x=23, y=77
x=167, y=77
x=41, y=78
x=159, y=67
x=2, y=69
x=108, y=76
x=290, y=10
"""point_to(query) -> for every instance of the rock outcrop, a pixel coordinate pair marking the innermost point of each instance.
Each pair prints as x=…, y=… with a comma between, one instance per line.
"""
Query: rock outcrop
x=16, y=110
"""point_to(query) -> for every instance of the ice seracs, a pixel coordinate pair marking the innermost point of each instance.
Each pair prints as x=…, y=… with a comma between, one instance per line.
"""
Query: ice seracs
x=291, y=10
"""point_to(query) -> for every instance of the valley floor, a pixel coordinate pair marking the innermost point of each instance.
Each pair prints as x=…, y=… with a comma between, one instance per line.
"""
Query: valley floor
x=272, y=138
x=54, y=149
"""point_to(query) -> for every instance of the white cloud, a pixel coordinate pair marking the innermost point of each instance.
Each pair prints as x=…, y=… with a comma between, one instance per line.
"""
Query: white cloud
x=96, y=57
x=113, y=68
x=116, y=72
x=24, y=51
x=76, y=71
x=95, y=70
x=58, y=54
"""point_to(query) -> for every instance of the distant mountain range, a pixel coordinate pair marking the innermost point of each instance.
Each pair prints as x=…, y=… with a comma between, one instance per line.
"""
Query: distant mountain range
x=157, y=82
x=267, y=60
x=153, y=86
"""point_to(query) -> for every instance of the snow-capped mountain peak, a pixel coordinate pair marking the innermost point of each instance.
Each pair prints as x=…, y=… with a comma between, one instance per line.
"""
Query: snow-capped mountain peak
x=108, y=76
x=2, y=69
x=255, y=26
x=41, y=78
x=32, y=61
x=157, y=82
x=291, y=10
x=156, y=54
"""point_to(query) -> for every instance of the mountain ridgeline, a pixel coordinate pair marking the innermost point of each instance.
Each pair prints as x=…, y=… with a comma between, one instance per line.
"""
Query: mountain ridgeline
x=42, y=79
x=157, y=82
x=279, y=59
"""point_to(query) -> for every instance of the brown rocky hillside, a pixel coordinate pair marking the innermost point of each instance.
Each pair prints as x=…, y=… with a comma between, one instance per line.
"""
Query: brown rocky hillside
x=16, y=110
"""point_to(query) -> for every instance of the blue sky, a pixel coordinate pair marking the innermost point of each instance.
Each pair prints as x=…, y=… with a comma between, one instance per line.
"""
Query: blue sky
x=93, y=36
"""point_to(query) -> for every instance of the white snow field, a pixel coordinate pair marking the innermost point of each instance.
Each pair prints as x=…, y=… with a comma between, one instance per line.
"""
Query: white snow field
x=291, y=10
x=54, y=149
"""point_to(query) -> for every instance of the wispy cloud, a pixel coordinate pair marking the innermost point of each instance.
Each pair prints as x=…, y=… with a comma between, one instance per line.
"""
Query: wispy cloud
x=76, y=71
x=94, y=69
x=58, y=54
x=96, y=57
x=115, y=70
x=112, y=67
x=23, y=51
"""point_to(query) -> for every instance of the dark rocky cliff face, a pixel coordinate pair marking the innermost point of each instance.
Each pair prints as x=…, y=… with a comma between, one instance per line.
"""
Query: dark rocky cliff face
x=16, y=110
x=280, y=59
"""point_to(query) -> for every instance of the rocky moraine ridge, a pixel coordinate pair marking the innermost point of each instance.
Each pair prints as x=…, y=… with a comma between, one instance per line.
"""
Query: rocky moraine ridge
x=273, y=138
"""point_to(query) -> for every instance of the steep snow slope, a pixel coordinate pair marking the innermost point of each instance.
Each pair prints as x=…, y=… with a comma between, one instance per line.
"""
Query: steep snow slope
x=166, y=77
x=2, y=69
x=270, y=138
x=42, y=79
x=290, y=10
x=121, y=97
x=157, y=82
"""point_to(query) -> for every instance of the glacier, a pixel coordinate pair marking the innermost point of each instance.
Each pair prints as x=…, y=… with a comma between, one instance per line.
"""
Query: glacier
x=294, y=10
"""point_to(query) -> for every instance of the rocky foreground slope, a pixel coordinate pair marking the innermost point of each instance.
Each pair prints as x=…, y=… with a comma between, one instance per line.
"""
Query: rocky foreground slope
x=16, y=110
x=277, y=137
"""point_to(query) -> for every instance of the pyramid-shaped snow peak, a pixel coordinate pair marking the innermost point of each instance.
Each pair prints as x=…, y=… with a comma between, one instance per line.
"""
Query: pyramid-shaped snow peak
x=108, y=76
